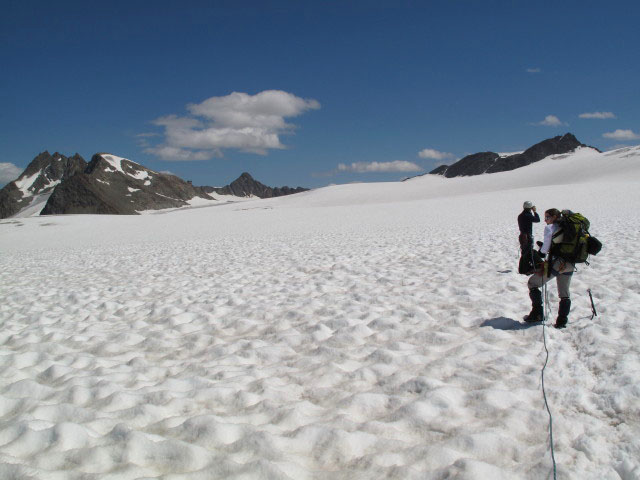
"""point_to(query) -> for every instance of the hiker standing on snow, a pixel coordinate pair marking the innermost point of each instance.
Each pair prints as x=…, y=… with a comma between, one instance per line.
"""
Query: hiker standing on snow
x=526, y=219
x=559, y=268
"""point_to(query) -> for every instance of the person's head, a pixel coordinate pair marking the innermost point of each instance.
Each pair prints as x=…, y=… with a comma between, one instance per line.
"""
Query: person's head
x=552, y=215
x=527, y=205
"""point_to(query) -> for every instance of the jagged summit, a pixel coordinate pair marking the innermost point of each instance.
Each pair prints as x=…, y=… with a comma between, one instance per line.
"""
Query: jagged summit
x=246, y=186
x=38, y=181
x=491, y=162
x=115, y=185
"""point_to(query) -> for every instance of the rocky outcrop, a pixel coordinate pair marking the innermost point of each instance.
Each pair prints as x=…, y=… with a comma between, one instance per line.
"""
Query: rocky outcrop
x=490, y=162
x=470, y=165
x=246, y=186
x=115, y=185
x=40, y=178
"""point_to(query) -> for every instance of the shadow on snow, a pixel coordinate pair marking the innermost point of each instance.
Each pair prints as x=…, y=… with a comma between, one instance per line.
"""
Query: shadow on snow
x=504, y=323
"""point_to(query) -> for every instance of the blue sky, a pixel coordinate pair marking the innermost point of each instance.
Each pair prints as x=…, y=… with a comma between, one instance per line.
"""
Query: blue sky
x=312, y=93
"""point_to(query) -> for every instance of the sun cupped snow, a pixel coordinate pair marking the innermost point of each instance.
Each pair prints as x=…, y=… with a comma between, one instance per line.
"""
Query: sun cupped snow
x=353, y=331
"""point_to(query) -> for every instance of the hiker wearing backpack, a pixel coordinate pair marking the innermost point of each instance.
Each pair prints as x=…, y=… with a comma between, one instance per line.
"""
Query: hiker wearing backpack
x=567, y=241
x=554, y=266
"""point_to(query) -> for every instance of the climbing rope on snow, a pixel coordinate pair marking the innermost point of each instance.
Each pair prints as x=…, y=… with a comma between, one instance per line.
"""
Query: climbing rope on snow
x=545, y=311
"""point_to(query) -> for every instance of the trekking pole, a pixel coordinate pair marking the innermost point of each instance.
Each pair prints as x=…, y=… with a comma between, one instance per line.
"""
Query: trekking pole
x=593, y=307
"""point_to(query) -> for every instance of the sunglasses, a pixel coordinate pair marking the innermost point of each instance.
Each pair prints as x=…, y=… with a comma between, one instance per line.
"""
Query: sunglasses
x=547, y=217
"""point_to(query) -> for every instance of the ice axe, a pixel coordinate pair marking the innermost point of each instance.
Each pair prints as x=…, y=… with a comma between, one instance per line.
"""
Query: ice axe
x=593, y=307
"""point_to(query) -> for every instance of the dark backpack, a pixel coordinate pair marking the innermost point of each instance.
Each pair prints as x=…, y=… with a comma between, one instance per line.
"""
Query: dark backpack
x=574, y=243
x=530, y=261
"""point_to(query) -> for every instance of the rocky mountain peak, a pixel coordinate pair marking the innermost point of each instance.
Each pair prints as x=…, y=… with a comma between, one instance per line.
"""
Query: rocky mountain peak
x=115, y=185
x=491, y=162
x=38, y=180
x=246, y=186
x=46, y=168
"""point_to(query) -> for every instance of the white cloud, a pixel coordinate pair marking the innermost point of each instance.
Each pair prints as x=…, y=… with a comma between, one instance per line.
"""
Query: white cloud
x=434, y=154
x=368, y=167
x=533, y=70
x=622, y=135
x=598, y=115
x=167, y=152
x=8, y=173
x=265, y=110
x=551, y=121
x=250, y=123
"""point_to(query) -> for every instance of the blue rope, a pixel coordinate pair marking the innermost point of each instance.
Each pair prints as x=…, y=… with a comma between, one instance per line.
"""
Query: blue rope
x=544, y=393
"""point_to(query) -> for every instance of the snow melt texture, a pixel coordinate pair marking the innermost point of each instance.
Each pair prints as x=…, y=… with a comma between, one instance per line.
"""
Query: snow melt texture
x=356, y=331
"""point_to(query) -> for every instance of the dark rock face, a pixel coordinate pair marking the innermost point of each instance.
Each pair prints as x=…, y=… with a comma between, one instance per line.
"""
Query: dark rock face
x=438, y=170
x=471, y=164
x=490, y=162
x=11, y=201
x=114, y=185
x=245, y=186
x=41, y=176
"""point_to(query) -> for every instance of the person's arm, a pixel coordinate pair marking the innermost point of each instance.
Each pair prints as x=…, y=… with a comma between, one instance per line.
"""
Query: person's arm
x=536, y=217
x=548, y=235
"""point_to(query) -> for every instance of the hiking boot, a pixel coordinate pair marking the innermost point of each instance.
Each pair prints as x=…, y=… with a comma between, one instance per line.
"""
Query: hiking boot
x=561, y=322
x=534, y=316
x=565, y=307
x=536, y=306
x=563, y=312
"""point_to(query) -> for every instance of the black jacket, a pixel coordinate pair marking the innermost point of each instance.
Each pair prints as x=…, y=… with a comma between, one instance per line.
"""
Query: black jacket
x=526, y=220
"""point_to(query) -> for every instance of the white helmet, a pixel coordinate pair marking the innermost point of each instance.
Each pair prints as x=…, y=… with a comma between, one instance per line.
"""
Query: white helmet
x=527, y=205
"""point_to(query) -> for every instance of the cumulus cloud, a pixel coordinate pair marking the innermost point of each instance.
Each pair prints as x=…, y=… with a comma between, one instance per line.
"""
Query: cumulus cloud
x=551, y=121
x=250, y=123
x=622, y=135
x=598, y=115
x=167, y=152
x=434, y=154
x=368, y=167
x=8, y=173
x=533, y=70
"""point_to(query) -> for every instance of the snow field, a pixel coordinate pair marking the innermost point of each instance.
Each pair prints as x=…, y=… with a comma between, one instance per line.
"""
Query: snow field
x=305, y=339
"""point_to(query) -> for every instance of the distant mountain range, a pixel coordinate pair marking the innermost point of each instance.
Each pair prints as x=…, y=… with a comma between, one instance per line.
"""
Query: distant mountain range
x=491, y=162
x=108, y=184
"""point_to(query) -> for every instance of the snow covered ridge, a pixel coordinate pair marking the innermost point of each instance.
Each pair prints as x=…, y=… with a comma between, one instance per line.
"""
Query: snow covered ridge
x=115, y=185
x=351, y=332
x=133, y=169
x=491, y=162
x=110, y=184
x=34, y=186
